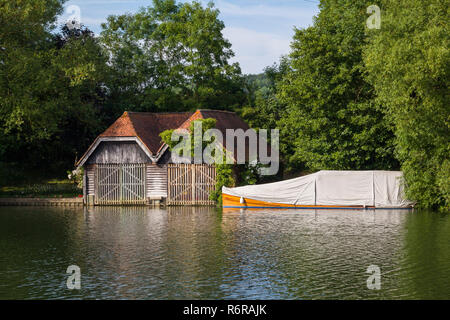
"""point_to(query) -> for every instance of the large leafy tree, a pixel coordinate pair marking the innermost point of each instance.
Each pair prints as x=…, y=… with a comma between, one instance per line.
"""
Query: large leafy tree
x=49, y=86
x=170, y=57
x=25, y=44
x=332, y=120
x=81, y=73
x=408, y=61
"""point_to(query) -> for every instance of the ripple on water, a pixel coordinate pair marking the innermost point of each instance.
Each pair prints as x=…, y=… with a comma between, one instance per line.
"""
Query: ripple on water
x=202, y=253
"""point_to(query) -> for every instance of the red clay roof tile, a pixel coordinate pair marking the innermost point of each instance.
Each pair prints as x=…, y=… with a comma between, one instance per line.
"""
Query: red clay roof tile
x=147, y=126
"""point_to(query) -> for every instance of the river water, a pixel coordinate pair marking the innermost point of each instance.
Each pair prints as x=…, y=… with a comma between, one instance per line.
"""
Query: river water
x=204, y=253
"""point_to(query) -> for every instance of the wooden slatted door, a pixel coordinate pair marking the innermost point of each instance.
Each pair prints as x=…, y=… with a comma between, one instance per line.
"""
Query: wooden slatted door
x=120, y=184
x=190, y=184
x=205, y=182
x=133, y=184
x=179, y=184
x=107, y=184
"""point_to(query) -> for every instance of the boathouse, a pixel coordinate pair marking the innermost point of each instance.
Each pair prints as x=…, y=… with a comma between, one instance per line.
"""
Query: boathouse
x=129, y=164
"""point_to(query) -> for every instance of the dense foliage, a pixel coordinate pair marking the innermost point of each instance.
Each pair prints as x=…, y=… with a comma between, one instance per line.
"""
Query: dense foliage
x=349, y=97
x=171, y=57
x=60, y=88
x=264, y=108
x=332, y=120
x=408, y=63
x=49, y=87
x=224, y=172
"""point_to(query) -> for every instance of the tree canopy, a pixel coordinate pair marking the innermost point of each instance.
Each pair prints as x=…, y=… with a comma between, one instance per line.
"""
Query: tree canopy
x=59, y=88
x=408, y=63
x=50, y=85
x=171, y=57
x=332, y=120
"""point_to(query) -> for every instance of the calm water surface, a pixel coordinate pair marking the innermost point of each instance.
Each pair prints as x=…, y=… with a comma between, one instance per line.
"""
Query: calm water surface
x=203, y=253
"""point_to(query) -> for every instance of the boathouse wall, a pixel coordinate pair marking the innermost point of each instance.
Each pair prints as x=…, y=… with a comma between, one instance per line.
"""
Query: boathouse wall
x=115, y=152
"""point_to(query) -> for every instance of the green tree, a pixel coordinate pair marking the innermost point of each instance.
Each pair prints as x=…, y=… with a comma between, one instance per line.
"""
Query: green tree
x=332, y=120
x=408, y=63
x=171, y=57
x=225, y=173
x=25, y=44
x=82, y=73
x=206, y=124
x=49, y=87
x=264, y=109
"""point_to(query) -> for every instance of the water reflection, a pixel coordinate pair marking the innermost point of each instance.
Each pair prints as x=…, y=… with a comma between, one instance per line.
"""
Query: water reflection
x=203, y=253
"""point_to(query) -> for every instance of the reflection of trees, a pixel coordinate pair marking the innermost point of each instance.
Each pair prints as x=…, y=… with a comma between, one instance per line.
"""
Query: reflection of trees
x=193, y=252
x=334, y=249
x=195, y=249
x=427, y=256
x=121, y=241
x=159, y=253
x=36, y=247
x=253, y=245
x=314, y=254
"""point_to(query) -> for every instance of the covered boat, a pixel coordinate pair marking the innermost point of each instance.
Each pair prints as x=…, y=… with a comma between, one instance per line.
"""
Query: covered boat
x=324, y=190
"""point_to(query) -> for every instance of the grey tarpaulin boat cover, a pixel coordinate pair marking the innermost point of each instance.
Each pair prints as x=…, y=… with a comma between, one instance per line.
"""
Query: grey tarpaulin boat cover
x=336, y=188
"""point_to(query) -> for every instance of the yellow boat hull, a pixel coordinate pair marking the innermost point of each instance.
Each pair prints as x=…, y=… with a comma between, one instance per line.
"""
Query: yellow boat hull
x=229, y=201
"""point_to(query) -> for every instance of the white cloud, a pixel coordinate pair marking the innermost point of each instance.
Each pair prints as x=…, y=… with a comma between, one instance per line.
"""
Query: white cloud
x=256, y=50
x=284, y=12
x=261, y=33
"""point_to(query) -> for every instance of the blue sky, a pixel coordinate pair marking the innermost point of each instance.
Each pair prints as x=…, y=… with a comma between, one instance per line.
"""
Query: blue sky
x=259, y=30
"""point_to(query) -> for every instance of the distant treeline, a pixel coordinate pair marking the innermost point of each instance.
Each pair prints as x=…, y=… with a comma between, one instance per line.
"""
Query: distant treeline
x=346, y=97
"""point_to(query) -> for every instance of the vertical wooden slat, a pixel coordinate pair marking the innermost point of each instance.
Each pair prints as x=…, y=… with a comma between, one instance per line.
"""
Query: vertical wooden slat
x=120, y=184
x=95, y=184
x=190, y=184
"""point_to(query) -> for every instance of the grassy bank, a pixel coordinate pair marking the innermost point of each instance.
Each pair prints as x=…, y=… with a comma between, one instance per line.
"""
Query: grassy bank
x=48, y=189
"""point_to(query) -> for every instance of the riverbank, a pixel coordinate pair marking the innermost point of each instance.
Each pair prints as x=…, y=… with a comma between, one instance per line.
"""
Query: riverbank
x=46, y=189
x=41, y=202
